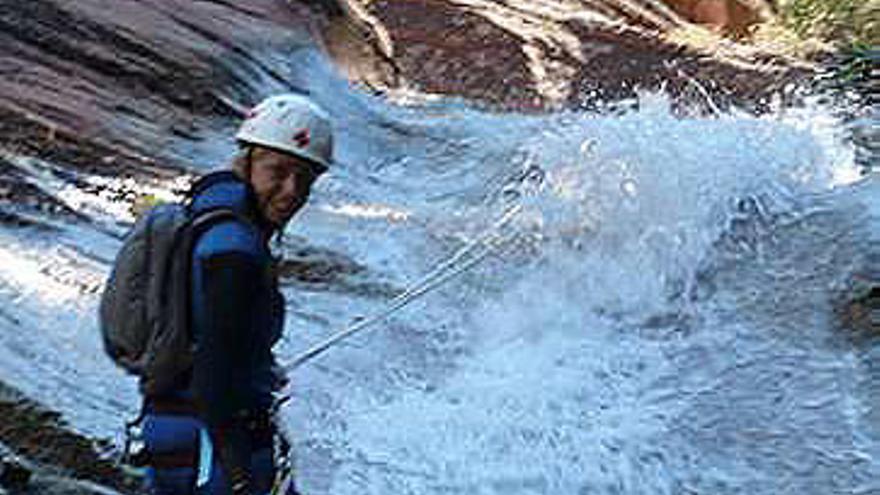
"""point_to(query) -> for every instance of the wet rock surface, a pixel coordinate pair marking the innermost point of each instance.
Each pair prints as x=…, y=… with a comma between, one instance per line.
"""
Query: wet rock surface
x=39, y=454
x=519, y=55
x=117, y=90
x=113, y=87
x=859, y=308
x=318, y=269
x=13, y=474
x=114, y=90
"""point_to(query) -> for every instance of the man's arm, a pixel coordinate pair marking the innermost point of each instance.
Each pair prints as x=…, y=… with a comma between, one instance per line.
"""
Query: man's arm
x=229, y=284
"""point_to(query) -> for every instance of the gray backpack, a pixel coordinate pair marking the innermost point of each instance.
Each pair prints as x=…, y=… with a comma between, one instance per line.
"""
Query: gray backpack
x=144, y=308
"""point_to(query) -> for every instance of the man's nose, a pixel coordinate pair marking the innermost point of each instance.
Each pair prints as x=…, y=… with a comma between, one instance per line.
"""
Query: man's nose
x=288, y=186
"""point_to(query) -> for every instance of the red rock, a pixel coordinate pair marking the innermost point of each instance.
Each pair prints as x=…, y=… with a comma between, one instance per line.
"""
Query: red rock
x=94, y=78
x=526, y=55
x=121, y=75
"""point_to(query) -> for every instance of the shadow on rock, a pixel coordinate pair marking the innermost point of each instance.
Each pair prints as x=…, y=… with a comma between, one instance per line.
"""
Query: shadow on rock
x=41, y=454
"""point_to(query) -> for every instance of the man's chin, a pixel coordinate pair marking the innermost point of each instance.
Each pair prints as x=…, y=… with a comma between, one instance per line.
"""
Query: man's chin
x=280, y=220
x=278, y=223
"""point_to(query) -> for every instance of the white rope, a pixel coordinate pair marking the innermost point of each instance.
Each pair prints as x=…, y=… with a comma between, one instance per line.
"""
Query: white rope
x=443, y=272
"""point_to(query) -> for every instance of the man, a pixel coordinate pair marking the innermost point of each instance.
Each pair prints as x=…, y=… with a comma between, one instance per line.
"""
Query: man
x=214, y=434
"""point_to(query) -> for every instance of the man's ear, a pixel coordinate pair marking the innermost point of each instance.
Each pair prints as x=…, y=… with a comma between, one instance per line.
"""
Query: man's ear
x=242, y=163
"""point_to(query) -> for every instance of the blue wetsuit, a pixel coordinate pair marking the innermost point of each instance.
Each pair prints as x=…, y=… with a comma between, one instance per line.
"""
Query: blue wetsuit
x=237, y=316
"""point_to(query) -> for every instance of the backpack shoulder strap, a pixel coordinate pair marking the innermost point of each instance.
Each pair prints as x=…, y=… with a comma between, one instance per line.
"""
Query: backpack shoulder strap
x=203, y=220
x=199, y=223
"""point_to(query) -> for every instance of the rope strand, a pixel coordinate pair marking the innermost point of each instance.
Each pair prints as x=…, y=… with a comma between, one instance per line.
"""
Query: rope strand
x=443, y=272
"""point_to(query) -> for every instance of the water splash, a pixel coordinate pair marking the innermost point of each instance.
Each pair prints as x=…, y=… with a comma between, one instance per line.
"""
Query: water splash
x=628, y=348
x=661, y=321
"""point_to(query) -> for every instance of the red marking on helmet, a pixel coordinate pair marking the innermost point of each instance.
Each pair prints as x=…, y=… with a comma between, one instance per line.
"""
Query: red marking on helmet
x=302, y=138
x=251, y=114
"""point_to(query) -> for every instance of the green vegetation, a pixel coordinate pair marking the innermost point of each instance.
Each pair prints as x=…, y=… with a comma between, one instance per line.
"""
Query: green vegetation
x=799, y=29
x=850, y=23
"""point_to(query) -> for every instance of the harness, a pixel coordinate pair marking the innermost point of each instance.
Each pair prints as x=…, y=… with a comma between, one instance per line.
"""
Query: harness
x=262, y=428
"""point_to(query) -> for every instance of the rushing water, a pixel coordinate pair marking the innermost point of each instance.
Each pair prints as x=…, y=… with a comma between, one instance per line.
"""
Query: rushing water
x=659, y=318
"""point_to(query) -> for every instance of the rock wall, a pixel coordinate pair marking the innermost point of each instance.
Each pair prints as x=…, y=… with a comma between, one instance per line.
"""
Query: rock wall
x=521, y=54
x=113, y=85
x=48, y=457
x=114, y=82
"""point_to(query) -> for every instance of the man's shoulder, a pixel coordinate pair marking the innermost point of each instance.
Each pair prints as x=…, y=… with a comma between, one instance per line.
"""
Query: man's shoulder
x=230, y=236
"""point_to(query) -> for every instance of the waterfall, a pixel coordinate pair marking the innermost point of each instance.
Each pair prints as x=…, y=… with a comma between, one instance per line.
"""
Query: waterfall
x=660, y=318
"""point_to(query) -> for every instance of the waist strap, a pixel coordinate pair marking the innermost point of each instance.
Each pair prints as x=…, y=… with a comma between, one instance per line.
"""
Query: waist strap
x=170, y=460
x=170, y=406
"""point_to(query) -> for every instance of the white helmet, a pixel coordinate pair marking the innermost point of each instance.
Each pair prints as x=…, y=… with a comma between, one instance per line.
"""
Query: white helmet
x=292, y=124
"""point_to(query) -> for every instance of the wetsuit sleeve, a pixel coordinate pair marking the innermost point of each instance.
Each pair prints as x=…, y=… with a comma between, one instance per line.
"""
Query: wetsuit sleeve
x=229, y=284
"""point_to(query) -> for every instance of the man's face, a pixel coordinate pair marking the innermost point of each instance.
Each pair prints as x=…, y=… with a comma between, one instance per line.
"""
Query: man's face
x=282, y=183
